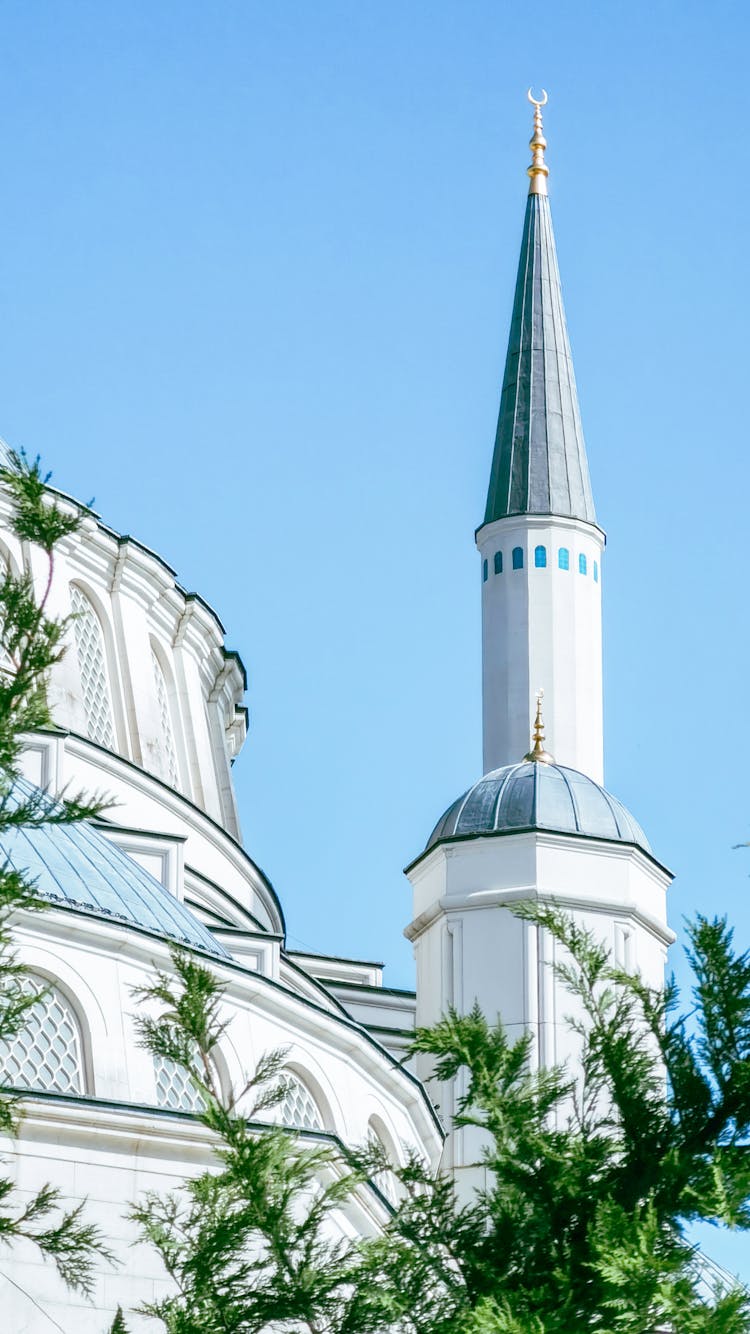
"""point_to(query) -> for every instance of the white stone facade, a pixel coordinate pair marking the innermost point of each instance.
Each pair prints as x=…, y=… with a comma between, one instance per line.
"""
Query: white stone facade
x=469, y=947
x=542, y=629
x=113, y=1140
x=148, y=708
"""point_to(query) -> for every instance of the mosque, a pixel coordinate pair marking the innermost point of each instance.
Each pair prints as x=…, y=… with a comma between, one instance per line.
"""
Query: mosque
x=148, y=705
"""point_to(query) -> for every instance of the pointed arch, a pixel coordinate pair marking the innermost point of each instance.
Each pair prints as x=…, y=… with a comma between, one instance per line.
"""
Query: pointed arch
x=9, y=567
x=47, y=1053
x=166, y=706
x=380, y=1138
x=303, y=1106
x=91, y=652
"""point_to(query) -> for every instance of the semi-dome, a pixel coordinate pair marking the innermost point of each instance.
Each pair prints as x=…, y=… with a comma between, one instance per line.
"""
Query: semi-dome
x=532, y=795
x=76, y=866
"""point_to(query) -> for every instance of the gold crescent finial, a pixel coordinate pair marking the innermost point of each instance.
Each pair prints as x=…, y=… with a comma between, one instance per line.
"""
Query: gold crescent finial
x=538, y=171
x=537, y=754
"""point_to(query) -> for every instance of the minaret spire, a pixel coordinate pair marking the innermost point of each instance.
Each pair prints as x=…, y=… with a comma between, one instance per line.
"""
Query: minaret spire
x=539, y=465
x=538, y=171
x=540, y=544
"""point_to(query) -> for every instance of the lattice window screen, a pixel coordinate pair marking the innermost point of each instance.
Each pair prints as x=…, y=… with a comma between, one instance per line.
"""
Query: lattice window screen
x=174, y=1087
x=162, y=699
x=298, y=1109
x=93, y=667
x=46, y=1054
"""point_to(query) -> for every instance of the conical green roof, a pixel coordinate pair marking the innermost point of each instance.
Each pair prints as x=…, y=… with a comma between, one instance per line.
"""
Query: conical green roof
x=539, y=465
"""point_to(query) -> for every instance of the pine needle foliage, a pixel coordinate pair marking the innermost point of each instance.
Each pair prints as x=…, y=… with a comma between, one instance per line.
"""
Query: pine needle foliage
x=593, y=1176
x=31, y=641
x=593, y=1180
x=253, y=1245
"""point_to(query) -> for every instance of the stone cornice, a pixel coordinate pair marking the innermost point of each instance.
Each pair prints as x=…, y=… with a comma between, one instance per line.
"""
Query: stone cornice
x=510, y=522
x=505, y=898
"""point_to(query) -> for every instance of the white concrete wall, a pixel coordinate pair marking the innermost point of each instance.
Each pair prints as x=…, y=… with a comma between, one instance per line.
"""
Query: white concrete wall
x=139, y=604
x=542, y=629
x=469, y=947
x=111, y=1159
x=111, y=1144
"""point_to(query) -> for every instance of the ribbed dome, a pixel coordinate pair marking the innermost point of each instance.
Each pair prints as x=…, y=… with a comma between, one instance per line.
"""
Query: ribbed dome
x=75, y=866
x=538, y=796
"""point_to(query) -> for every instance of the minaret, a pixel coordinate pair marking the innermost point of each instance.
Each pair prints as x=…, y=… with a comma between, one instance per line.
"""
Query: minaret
x=539, y=543
x=538, y=826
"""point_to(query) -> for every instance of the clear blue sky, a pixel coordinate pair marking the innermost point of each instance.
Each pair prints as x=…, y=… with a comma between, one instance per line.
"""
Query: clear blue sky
x=256, y=272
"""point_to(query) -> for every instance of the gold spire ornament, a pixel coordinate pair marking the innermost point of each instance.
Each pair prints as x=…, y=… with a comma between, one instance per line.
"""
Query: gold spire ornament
x=537, y=754
x=538, y=171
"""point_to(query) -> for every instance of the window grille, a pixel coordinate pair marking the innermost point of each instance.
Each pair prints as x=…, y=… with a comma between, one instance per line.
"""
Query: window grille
x=47, y=1053
x=298, y=1109
x=162, y=699
x=517, y=559
x=596, y=572
x=174, y=1087
x=563, y=558
x=540, y=558
x=581, y=564
x=93, y=668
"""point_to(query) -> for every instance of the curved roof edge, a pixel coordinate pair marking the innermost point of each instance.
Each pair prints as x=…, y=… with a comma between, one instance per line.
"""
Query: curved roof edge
x=179, y=796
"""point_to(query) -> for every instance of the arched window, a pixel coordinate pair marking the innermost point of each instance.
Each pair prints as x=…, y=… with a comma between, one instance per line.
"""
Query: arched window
x=174, y=1087
x=298, y=1109
x=498, y=562
x=596, y=572
x=563, y=558
x=540, y=558
x=162, y=699
x=385, y=1181
x=517, y=558
x=7, y=666
x=484, y=571
x=48, y=1052
x=582, y=564
x=92, y=664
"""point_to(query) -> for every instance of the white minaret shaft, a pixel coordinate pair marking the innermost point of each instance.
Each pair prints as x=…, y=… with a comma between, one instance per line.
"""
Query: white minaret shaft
x=540, y=545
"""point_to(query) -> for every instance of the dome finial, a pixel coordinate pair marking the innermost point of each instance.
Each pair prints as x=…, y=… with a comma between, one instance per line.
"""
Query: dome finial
x=538, y=171
x=537, y=754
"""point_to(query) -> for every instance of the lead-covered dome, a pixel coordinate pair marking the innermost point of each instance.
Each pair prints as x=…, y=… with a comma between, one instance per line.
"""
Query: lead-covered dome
x=532, y=795
x=76, y=866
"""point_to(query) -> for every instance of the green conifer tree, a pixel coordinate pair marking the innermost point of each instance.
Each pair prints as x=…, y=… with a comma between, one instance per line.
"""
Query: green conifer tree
x=593, y=1176
x=31, y=641
x=247, y=1245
